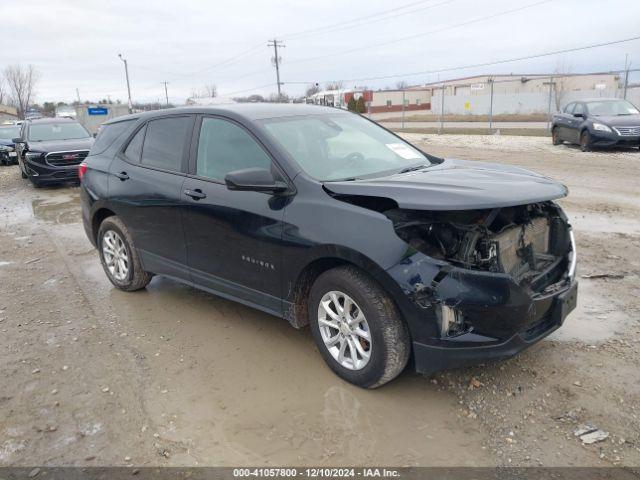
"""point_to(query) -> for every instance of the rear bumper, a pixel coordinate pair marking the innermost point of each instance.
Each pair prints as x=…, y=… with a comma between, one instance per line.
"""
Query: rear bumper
x=43, y=173
x=470, y=349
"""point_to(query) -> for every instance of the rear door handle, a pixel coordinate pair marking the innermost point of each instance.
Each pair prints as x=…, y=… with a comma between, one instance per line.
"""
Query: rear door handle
x=196, y=194
x=122, y=176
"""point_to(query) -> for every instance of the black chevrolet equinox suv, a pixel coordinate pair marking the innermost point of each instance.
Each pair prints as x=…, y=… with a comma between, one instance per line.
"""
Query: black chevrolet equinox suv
x=323, y=218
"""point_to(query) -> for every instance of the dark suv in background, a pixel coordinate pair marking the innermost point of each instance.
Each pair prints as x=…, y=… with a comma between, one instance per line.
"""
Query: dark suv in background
x=600, y=122
x=326, y=219
x=8, y=153
x=50, y=149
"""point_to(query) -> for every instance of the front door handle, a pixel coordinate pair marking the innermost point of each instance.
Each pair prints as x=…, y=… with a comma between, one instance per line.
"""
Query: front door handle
x=122, y=176
x=196, y=194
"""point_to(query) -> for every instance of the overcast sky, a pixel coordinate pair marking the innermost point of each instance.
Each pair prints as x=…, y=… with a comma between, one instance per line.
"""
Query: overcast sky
x=74, y=43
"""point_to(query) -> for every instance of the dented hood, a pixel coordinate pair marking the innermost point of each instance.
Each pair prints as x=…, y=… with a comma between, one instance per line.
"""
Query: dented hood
x=457, y=185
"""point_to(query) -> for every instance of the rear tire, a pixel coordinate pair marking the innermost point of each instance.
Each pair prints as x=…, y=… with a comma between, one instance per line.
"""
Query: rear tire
x=122, y=266
x=370, y=322
x=585, y=141
x=555, y=136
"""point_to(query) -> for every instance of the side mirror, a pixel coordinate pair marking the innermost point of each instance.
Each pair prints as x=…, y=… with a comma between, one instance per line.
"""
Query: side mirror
x=580, y=115
x=16, y=140
x=254, y=180
x=94, y=135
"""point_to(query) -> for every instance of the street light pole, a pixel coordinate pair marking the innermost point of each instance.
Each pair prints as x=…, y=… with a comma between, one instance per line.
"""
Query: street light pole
x=126, y=72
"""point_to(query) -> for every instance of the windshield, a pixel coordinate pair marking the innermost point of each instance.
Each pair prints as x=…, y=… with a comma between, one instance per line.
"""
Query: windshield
x=342, y=146
x=56, y=131
x=8, y=133
x=611, y=107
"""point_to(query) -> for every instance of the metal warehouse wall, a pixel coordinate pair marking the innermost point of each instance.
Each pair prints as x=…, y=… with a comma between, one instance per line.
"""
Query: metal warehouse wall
x=514, y=103
x=93, y=122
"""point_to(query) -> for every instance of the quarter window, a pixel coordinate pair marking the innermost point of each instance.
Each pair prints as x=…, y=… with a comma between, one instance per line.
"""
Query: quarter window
x=134, y=149
x=224, y=147
x=164, y=143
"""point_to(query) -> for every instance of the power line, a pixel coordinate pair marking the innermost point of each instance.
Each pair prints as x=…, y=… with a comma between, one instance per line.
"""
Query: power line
x=361, y=21
x=422, y=34
x=486, y=64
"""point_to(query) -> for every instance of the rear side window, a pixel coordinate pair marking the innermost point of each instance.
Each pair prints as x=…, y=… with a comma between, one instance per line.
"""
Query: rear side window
x=224, y=147
x=134, y=149
x=107, y=134
x=164, y=143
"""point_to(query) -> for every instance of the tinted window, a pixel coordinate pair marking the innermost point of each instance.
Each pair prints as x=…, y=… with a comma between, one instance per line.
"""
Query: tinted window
x=164, y=143
x=224, y=147
x=579, y=108
x=134, y=149
x=107, y=134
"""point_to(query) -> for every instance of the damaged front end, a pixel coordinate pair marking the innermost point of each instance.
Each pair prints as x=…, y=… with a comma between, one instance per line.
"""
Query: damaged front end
x=488, y=276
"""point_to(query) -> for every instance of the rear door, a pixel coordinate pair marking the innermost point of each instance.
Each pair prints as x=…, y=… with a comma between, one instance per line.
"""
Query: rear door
x=145, y=190
x=564, y=118
x=233, y=237
x=573, y=129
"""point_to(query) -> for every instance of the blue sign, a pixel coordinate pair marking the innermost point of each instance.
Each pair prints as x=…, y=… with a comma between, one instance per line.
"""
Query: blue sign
x=97, y=110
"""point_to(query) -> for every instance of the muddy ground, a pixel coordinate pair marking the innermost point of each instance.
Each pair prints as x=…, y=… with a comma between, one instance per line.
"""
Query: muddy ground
x=90, y=375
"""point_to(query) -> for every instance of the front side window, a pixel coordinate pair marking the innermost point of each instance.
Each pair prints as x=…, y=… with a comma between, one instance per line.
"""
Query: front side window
x=569, y=108
x=342, y=146
x=579, y=108
x=224, y=147
x=164, y=143
x=43, y=132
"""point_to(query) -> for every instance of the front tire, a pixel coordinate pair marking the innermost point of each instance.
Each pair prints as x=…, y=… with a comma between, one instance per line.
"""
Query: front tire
x=119, y=258
x=357, y=328
x=555, y=136
x=585, y=141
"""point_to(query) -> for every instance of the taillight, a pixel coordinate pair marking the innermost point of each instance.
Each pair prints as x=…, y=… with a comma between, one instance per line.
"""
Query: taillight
x=82, y=169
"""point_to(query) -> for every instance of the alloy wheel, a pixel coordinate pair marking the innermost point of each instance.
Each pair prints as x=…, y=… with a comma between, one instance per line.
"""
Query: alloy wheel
x=344, y=330
x=115, y=255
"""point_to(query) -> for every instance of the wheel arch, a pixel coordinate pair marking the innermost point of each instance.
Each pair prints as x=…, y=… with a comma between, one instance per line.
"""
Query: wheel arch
x=97, y=219
x=327, y=258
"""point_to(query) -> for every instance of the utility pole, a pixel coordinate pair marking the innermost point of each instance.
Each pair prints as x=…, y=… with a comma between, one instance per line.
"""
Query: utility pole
x=626, y=75
x=126, y=71
x=442, y=110
x=166, y=94
x=78, y=95
x=275, y=44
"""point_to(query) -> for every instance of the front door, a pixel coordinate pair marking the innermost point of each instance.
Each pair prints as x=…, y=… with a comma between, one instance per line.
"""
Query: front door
x=145, y=189
x=573, y=131
x=233, y=237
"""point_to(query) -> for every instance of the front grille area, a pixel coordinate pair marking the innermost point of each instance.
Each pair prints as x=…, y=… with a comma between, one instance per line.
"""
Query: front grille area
x=63, y=159
x=628, y=131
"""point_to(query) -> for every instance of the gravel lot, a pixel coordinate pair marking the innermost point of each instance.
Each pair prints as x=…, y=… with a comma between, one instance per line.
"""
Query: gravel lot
x=173, y=376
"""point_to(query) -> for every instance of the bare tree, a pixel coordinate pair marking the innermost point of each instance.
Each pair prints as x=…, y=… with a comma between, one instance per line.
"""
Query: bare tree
x=562, y=83
x=312, y=89
x=2, y=92
x=21, y=82
x=335, y=85
x=402, y=84
x=211, y=90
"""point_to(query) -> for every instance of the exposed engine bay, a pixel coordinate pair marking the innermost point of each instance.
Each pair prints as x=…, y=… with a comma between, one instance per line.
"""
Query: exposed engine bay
x=528, y=242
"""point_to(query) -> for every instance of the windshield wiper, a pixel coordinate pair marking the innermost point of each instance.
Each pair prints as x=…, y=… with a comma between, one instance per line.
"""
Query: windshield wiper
x=414, y=168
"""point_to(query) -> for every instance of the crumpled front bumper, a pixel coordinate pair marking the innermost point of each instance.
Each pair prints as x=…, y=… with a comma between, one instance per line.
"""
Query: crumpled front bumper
x=501, y=318
x=471, y=349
